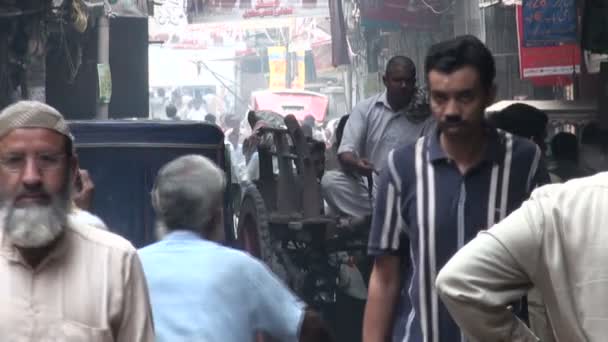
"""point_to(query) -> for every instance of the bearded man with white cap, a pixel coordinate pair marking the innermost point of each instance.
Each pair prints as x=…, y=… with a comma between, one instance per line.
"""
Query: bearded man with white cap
x=60, y=280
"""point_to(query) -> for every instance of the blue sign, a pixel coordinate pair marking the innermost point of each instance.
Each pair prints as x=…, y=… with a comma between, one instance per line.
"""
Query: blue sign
x=549, y=22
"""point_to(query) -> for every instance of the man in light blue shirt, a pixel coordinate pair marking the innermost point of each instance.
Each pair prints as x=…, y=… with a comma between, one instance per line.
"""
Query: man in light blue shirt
x=201, y=290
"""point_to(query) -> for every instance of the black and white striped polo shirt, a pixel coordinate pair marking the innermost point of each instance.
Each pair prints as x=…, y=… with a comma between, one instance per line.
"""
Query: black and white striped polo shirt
x=426, y=210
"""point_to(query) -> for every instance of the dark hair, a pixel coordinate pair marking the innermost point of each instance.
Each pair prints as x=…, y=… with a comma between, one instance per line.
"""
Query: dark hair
x=210, y=118
x=171, y=110
x=522, y=120
x=401, y=61
x=564, y=146
x=451, y=55
x=309, y=120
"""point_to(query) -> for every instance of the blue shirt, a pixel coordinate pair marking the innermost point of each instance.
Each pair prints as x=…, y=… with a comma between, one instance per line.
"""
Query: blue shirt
x=426, y=210
x=202, y=291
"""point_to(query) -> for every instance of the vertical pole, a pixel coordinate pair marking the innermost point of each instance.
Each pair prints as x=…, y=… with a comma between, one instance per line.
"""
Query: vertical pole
x=103, y=57
x=348, y=87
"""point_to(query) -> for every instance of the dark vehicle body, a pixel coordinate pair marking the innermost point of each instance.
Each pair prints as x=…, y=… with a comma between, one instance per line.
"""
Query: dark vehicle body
x=123, y=158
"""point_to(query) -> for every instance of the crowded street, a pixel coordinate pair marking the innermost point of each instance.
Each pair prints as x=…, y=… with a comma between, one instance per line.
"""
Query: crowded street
x=303, y=170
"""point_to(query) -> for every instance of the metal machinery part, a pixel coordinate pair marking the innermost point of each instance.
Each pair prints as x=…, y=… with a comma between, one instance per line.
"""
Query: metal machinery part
x=281, y=219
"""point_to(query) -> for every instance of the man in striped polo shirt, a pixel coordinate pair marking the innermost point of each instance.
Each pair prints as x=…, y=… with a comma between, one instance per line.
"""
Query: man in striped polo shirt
x=435, y=195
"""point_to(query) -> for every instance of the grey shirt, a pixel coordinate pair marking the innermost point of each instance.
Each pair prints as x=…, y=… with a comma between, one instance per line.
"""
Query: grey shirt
x=374, y=129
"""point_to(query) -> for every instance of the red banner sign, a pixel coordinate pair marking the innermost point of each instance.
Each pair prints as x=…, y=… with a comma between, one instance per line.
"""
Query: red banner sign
x=549, y=65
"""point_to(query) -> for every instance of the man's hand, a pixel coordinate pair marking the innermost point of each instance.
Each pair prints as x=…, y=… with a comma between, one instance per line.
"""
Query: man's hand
x=365, y=167
x=352, y=164
x=83, y=196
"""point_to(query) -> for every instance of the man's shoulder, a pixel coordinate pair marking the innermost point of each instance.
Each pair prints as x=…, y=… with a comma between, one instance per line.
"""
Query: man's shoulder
x=367, y=103
x=200, y=248
x=520, y=145
x=574, y=188
x=401, y=163
x=403, y=156
x=93, y=237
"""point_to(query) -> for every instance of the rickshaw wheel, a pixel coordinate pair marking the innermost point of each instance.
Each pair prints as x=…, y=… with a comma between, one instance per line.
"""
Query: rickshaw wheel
x=253, y=233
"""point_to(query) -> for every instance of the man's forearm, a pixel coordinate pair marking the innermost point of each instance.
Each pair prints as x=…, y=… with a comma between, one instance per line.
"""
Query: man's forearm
x=379, y=310
x=348, y=161
x=476, y=286
x=314, y=329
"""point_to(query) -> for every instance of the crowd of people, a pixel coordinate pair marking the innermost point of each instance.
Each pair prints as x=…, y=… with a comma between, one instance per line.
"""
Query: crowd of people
x=470, y=240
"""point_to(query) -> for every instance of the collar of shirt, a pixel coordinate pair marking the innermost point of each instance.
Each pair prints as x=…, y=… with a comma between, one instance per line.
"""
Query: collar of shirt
x=183, y=235
x=494, y=153
x=11, y=253
x=416, y=110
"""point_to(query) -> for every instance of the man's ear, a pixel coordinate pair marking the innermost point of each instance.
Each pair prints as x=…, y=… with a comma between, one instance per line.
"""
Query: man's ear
x=385, y=80
x=215, y=227
x=74, y=166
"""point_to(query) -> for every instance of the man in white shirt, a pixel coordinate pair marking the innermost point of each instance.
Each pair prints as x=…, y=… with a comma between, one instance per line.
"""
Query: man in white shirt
x=60, y=280
x=555, y=242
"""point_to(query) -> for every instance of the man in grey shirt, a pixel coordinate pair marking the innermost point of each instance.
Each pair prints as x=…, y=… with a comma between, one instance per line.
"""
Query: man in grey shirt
x=395, y=117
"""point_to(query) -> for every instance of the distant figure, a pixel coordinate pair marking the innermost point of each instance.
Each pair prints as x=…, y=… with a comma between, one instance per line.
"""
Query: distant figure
x=594, y=148
x=565, y=165
x=210, y=118
x=197, y=109
x=157, y=104
x=315, y=133
x=171, y=111
x=309, y=120
x=377, y=125
x=524, y=121
x=178, y=101
x=82, y=197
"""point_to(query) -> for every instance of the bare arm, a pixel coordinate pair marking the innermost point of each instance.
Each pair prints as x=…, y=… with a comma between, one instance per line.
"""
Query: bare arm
x=351, y=148
x=314, y=329
x=383, y=292
x=352, y=164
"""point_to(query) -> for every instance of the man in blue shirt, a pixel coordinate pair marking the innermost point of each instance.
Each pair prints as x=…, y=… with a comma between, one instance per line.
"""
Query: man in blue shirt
x=201, y=290
x=435, y=195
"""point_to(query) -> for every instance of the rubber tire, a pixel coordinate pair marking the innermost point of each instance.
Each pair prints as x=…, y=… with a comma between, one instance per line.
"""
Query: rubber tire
x=253, y=221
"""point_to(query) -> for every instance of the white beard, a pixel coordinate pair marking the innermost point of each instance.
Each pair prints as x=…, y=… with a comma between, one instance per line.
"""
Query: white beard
x=34, y=226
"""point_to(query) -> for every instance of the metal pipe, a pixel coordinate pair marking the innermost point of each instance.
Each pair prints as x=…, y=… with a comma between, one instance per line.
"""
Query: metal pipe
x=103, y=57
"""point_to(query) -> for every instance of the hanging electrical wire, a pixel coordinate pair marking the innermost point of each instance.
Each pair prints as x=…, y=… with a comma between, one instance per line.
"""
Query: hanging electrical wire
x=438, y=12
x=219, y=78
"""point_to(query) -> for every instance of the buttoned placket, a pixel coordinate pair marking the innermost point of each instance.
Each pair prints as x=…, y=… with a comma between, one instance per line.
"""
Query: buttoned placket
x=29, y=277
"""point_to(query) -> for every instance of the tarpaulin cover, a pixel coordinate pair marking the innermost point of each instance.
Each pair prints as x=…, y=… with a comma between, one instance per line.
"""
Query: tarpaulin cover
x=123, y=158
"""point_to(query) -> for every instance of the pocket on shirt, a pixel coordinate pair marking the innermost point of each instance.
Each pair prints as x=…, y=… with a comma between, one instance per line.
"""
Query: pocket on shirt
x=78, y=332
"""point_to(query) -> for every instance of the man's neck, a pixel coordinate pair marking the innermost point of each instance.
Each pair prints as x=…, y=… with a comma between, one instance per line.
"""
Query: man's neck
x=465, y=151
x=34, y=256
x=394, y=106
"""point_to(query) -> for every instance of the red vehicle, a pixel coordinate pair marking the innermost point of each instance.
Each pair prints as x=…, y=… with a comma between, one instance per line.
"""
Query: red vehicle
x=297, y=102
